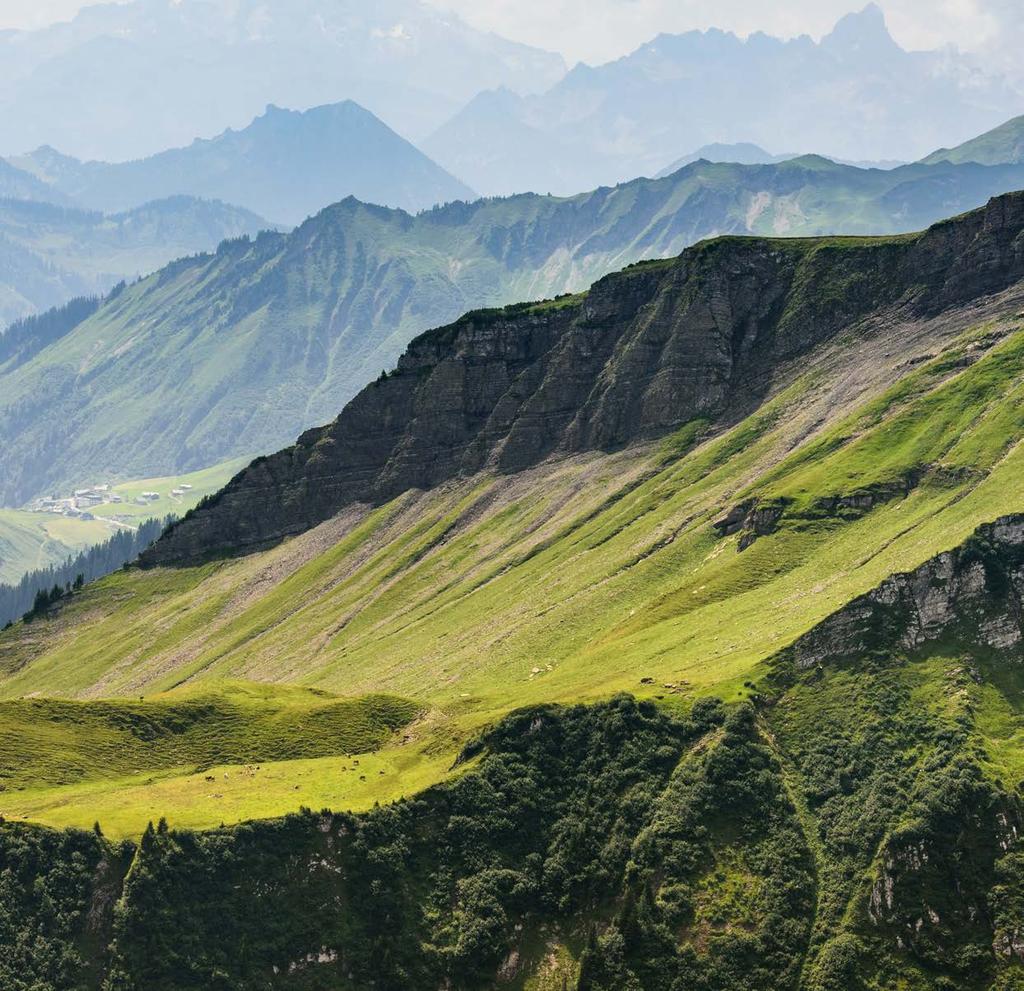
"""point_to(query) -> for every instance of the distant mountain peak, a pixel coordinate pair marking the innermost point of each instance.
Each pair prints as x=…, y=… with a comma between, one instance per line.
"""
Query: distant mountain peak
x=205, y=66
x=679, y=92
x=285, y=165
x=861, y=31
x=1003, y=145
x=735, y=153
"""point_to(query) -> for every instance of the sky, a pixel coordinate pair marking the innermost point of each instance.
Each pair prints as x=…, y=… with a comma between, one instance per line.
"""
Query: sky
x=598, y=30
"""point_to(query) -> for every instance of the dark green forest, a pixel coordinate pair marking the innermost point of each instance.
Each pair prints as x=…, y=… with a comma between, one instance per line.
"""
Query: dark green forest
x=605, y=847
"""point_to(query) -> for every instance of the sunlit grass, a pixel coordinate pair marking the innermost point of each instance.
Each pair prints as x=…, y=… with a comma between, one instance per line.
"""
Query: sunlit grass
x=580, y=578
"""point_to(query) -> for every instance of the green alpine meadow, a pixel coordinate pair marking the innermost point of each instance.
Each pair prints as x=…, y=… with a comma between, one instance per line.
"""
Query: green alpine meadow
x=616, y=590
x=664, y=636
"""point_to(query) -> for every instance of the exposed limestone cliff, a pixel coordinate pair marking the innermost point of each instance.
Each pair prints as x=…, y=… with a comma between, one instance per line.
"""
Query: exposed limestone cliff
x=645, y=351
x=974, y=592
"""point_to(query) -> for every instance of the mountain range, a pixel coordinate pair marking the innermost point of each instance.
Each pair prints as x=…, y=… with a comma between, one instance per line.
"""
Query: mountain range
x=501, y=117
x=285, y=165
x=667, y=635
x=745, y=153
x=237, y=352
x=159, y=61
x=617, y=590
x=632, y=116
x=49, y=253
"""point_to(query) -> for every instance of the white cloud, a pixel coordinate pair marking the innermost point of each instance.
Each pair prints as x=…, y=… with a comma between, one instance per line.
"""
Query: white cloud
x=39, y=13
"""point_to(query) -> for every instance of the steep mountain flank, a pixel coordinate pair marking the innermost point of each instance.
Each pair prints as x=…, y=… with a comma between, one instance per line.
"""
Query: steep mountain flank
x=641, y=354
x=1003, y=145
x=855, y=823
x=770, y=463
x=884, y=443
x=928, y=659
x=236, y=353
x=973, y=595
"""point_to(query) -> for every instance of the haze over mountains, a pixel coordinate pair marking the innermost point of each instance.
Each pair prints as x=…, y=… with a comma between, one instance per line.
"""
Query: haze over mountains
x=635, y=115
x=175, y=69
x=746, y=153
x=18, y=184
x=49, y=253
x=500, y=117
x=740, y=153
x=236, y=353
x=1004, y=143
x=285, y=165
x=633, y=579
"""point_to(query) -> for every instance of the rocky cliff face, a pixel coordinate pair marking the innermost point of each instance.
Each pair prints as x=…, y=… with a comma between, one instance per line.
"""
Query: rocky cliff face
x=645, y=351
x=974, y=593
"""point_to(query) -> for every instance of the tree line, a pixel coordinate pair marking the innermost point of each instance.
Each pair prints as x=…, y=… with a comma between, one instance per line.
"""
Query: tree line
x=39, y=589
x=26, y=337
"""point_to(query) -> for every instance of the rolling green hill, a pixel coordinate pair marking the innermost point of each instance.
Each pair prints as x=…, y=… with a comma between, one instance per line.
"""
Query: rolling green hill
x=696, y=604
x=1003, y=145
x=29, y=541
x=239, y=351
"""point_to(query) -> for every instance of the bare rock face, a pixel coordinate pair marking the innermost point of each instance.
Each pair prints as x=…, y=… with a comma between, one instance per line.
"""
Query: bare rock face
x=645, y=351
x=975, y=592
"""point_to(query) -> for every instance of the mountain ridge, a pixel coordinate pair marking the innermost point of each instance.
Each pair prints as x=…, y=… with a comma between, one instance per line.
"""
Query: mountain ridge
x=285, y=165
x=291, y=327
x=1002, y=145
x=603, y=124
x=17, y=184
x=504, y=390
x=54, y=252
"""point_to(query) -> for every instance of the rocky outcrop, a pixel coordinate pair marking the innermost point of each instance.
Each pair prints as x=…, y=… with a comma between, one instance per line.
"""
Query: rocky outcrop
x=646, y=350
x=974, y=593
x=751, y=519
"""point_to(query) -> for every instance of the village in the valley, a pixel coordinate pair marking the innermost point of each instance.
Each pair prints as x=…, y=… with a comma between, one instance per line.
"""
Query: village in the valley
x=82, y=504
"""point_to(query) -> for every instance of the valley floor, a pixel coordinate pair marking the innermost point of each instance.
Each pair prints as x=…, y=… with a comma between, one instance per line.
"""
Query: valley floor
x=35, y=538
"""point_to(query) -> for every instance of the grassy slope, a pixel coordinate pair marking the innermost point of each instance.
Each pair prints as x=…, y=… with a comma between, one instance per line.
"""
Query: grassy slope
x=204, y=482
x=275, y=336
x=222, y=751
x=579, y=578
x=82, y=252
x=29, y=541
x=100, y=247
x=1003, y=144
